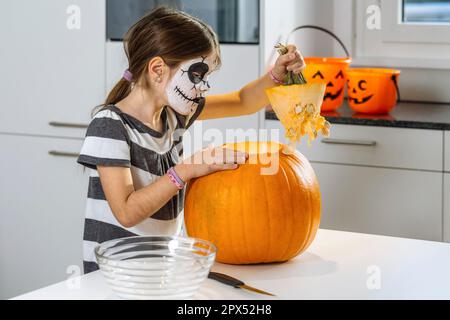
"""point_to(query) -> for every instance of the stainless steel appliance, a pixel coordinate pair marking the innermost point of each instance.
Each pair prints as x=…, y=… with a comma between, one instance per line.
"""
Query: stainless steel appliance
x=235, y=21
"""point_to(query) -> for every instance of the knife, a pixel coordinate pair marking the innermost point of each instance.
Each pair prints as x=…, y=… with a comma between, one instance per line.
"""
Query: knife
x=230, y=281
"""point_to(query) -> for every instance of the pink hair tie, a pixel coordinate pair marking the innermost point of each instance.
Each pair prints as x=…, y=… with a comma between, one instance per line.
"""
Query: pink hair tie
x=127, y=75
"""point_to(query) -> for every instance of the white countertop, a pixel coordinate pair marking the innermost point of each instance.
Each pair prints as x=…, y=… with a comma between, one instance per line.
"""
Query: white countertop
x=338, y=265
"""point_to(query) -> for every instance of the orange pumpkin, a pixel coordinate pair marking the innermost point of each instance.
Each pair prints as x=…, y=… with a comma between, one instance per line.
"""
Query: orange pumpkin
x=255, y=218
x=332, y=71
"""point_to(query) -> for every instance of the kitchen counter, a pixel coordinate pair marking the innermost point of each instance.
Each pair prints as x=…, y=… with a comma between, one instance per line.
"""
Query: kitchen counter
x=338, y=265
x=404, y=115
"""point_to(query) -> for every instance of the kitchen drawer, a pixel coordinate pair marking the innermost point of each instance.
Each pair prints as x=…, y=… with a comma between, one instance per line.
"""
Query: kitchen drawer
x=42, y=209
x=392, y=202
x=375, y=146
x=447, y=151
x=447, y=207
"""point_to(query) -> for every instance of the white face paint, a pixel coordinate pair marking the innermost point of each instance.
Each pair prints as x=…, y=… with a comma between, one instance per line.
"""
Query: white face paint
x=189, y=84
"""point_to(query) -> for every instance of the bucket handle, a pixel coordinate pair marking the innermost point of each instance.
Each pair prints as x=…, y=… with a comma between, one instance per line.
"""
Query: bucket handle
x=323, y=30
x=394, y=79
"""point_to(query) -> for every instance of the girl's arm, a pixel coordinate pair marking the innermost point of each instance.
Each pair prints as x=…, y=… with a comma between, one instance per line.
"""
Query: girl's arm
x=130, y=207
x=252, y=97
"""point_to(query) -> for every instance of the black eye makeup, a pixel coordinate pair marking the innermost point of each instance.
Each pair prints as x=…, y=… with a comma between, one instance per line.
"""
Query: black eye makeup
x=318, y=74
x=197, y=71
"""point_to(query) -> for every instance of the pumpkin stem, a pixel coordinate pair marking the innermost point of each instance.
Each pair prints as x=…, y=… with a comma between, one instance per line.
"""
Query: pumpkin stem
x=291, y=78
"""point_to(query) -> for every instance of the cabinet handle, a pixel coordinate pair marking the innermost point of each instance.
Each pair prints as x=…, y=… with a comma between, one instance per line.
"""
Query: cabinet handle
x=63, y=154
x=364, y=143
x=67, y=125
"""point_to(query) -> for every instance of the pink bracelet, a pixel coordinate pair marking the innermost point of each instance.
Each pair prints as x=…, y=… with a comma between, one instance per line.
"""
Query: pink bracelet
x=176, y=180
x=275, y=79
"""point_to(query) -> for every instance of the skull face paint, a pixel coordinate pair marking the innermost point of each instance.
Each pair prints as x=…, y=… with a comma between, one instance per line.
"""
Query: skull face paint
x=188, y=86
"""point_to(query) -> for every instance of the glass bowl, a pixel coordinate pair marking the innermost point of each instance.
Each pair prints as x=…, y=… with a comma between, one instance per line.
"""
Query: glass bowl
x=155, y=267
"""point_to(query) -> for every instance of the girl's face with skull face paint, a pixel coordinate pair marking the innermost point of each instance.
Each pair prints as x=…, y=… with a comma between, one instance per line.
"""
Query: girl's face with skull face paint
x=186, y=91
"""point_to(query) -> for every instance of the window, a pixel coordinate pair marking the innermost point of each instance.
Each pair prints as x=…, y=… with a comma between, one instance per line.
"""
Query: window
x=429, y=11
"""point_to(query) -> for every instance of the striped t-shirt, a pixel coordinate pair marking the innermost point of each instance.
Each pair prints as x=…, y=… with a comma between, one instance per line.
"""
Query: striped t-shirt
x=115, y=138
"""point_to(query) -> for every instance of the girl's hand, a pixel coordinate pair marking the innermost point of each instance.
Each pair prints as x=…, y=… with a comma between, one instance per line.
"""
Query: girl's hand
x=291, y=61
x=208, y=161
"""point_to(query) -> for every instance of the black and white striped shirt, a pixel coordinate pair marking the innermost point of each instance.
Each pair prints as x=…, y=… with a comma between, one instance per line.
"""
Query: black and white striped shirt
x=114, y=138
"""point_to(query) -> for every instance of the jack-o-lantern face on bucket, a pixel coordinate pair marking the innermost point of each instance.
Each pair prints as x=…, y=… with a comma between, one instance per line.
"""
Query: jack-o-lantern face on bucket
x=332, y=93
x=331, y=71
x=357, y=94
x=372, y=90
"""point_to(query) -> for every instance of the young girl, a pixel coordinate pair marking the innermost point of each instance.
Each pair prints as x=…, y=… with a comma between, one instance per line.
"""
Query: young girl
x=134, y=142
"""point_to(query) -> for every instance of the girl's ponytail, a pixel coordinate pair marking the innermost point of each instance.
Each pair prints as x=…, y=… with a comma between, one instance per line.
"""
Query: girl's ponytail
x=119, y=92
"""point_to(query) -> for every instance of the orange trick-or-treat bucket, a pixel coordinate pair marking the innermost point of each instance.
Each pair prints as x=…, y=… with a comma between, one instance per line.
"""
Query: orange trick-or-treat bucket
x=331, y=71
x=372, y=90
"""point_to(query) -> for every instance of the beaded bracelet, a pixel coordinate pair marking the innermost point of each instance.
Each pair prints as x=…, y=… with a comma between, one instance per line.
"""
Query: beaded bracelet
x=275, y=79
x=175, y=178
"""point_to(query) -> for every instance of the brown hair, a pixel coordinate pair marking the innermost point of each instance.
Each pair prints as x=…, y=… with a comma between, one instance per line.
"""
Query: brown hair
x=172, y=35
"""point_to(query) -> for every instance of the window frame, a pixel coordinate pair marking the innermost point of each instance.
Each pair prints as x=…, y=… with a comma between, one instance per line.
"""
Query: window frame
x=398, y=43
x=400, y=31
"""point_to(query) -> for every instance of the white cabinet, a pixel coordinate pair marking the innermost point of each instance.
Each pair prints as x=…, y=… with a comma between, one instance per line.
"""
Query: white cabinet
x=447, y=151
x=52, y=71
x=400, y=203
x=379, y=180
x=447, y=187
x=447, y=207
x=375, y=146
x=42, y=211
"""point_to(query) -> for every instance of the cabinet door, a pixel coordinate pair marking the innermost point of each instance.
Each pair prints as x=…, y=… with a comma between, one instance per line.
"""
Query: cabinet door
x=52, y=64
x=447, y=151
x=447, y=207
x=374, y=146
x=398, y=203
x=42, y=212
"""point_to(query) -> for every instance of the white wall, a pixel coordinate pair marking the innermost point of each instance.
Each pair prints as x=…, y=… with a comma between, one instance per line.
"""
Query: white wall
x=280, y=17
